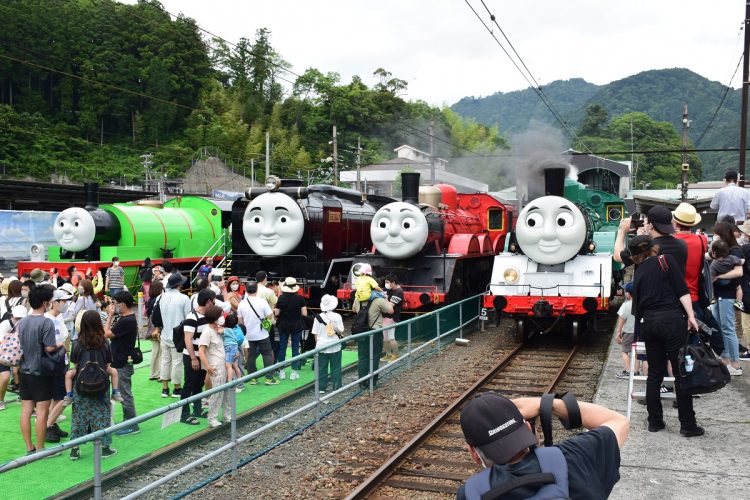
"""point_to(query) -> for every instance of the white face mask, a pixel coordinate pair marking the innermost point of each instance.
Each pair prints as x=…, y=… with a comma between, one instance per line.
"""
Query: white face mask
x=115, y=264
x=25, y=294
x=234, y=287
x=63, y=307
x=387, y=286
x=80, y=290
x=220, y=321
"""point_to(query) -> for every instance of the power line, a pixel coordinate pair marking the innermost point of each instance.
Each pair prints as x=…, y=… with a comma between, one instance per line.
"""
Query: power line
x=721, y=102
x=535, y=86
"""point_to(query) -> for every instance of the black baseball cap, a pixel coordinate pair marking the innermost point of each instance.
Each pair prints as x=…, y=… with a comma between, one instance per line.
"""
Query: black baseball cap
x=493, y=424
x=661, y=219
x=639, y=244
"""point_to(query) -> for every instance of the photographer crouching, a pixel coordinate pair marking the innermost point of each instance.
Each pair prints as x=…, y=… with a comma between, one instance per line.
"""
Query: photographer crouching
x=501, y=439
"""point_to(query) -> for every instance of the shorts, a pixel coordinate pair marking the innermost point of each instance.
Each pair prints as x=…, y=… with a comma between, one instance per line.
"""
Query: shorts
x=231, y=353
x=390, y=333
x=4, y=368
x=627, y=341
x=35, y=388
x=58, y=388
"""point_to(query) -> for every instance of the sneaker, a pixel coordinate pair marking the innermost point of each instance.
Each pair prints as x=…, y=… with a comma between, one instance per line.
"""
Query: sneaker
x=697, y=430
x=271, y=381
x=282, y=375
x=116, y=396
x=254, y=381
x=13, y=388
x=128, y=431
x=745, y=356
x=75, y=453
x=239, y=388
x=201, y=414
x=321, y=392
x=637, y=374
x=59, y=431
x=227, y=420
x=736, y=372
x=2, y=405
x=623, y=374
x=738, y=305
x=214, y=423
x=294, y=375
x=165, y=393
x=51, y=436
x=177, y=393
x=31, y=451
x=664, y=389
x=108, y=452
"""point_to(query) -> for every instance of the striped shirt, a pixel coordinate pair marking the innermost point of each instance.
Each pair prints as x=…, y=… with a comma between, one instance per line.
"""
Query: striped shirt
x=116, y=277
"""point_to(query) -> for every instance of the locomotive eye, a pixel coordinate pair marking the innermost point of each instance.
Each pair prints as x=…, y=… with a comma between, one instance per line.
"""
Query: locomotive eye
x=62, y=223
x=534, y=220
x=256, y=220
x=76, y=223
x=383, y=224
x=408, y=223
x=565, y=219
x=283, y=219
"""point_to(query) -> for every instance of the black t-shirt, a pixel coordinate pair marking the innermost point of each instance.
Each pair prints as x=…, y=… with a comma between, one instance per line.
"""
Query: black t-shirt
x=290, y=312
x=657, y=289
x=396, y=297
x=668, y=245
x=728, y=290
x=593, y=460
x=125, y=332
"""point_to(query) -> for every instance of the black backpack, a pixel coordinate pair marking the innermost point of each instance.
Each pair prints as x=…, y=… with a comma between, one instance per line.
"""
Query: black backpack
x=361, y=323
x=146, y=273
x=178, y=332
x=92, y=379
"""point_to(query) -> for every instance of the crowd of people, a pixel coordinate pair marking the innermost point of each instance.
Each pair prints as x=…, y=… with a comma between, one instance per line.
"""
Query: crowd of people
x=78, y=335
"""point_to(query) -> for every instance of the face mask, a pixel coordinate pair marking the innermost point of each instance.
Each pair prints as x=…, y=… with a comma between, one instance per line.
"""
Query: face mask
x=63, y=307
x=80, y=290
x=115, y=264
x=117, y=310
x=220, y=321
x=235, y=287
x=25, y=294
x=387, y=286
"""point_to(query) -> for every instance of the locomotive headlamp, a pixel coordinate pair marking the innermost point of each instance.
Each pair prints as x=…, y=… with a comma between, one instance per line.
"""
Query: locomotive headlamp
x=273, y=183
x=511, y=275
x=592, y=246
x=513, y=247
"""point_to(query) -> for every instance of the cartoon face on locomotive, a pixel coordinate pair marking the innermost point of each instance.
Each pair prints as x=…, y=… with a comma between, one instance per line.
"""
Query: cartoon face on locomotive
x=558, y=273
x=308, y=232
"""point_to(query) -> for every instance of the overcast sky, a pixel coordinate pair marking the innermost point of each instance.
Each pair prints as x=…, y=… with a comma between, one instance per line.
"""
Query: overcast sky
x=441, y=49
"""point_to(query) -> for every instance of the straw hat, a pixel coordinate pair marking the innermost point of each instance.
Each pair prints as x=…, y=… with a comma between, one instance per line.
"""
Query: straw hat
x=686, y=215
x=289, y=285
x=745, y=227
x=4, y=286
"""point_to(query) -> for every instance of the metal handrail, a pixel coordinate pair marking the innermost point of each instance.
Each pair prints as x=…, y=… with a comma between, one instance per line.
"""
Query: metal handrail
x=97, y=436
x=222, y=246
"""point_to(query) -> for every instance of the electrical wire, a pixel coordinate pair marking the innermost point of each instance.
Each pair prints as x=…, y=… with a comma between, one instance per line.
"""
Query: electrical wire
x=721, y=103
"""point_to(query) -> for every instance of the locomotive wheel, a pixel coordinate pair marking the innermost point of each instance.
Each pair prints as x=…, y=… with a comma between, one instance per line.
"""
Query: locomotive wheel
x=520, y=331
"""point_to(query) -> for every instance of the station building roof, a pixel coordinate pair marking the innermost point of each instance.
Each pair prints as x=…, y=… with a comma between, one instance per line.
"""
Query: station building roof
x=27, y=195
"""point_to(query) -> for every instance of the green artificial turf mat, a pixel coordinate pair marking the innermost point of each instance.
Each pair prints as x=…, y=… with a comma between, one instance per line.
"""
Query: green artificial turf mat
x=53, y=475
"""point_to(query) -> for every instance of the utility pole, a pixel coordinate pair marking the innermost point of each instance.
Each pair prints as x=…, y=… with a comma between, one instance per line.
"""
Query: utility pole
x=252, y=171
x=147, y=163
x=432, y=152
x=632, y=156
x=685, y=164
x=359, y=163
x=335, y=159
x=268, y=154
x=745, y=77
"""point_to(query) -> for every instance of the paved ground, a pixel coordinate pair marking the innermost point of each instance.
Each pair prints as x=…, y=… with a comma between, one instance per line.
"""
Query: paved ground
x=665, y=465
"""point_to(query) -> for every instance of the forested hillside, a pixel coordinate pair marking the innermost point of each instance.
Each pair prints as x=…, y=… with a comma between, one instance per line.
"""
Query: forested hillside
x=86, y=87
x=660, y=94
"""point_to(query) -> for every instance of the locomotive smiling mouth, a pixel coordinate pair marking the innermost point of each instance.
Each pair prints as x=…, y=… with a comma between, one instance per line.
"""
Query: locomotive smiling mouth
x=549, y=247
x=268, y=241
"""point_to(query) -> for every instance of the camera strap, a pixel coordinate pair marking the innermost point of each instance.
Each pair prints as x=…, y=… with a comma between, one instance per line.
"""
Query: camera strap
x=545, y=414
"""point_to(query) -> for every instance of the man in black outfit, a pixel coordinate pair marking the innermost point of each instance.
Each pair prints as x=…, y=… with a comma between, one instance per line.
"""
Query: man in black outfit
x=123, y=335
x=195, y=376
x=500, y=438
x=658, y=225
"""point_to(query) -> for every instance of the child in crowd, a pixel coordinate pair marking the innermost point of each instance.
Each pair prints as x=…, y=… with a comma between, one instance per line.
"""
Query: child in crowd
x=213, y=359
x=365, y=284
x=625, y=330
x=722, y=263
x=70, y=376
x=233, y=337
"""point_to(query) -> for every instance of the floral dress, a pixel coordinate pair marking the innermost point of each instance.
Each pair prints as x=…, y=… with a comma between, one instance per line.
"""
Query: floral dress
x=90, y=414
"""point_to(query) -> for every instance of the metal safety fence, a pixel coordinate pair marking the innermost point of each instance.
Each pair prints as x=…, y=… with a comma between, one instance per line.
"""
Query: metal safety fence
x=416, y=337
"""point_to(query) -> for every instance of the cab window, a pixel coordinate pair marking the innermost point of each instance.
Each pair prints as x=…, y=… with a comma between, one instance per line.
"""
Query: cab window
x=495, y=219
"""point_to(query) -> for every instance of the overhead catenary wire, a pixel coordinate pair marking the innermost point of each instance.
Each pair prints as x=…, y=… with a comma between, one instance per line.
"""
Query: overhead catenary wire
x=721, y=103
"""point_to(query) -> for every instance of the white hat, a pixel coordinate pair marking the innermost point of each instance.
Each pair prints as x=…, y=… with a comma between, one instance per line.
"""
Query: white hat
x=18, y=312
x=61, y=294
x=67, y=287
x=289, y=285
x=328, y=303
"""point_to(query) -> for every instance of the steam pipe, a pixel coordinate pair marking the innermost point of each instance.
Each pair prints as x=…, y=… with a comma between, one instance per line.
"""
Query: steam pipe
x=410, y=187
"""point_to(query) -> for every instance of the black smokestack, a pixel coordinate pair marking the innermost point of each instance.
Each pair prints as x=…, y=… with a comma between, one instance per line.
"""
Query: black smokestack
x=554, y=181
x=91, y=195
x=410, y=187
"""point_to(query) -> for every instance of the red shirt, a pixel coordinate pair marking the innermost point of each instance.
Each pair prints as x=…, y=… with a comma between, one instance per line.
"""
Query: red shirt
x=697, y=245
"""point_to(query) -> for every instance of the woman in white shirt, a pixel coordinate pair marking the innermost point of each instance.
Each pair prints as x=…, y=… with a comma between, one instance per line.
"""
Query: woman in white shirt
x=17, y=313
x=328, y=328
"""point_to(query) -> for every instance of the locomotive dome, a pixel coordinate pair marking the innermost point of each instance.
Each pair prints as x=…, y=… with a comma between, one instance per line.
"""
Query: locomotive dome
x=551, y=230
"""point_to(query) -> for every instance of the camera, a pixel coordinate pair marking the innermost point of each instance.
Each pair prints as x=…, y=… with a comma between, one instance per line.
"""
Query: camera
x=636, y=222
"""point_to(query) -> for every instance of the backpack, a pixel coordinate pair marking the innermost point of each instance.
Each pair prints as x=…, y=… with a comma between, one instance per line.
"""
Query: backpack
x=146, y=274
x=361, y=323
x=553, y=479
x=92, y=379
x=10, y=347
x=178, y=332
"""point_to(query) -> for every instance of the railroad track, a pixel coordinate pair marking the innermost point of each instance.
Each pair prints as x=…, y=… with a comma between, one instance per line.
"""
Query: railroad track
x=436, y=460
